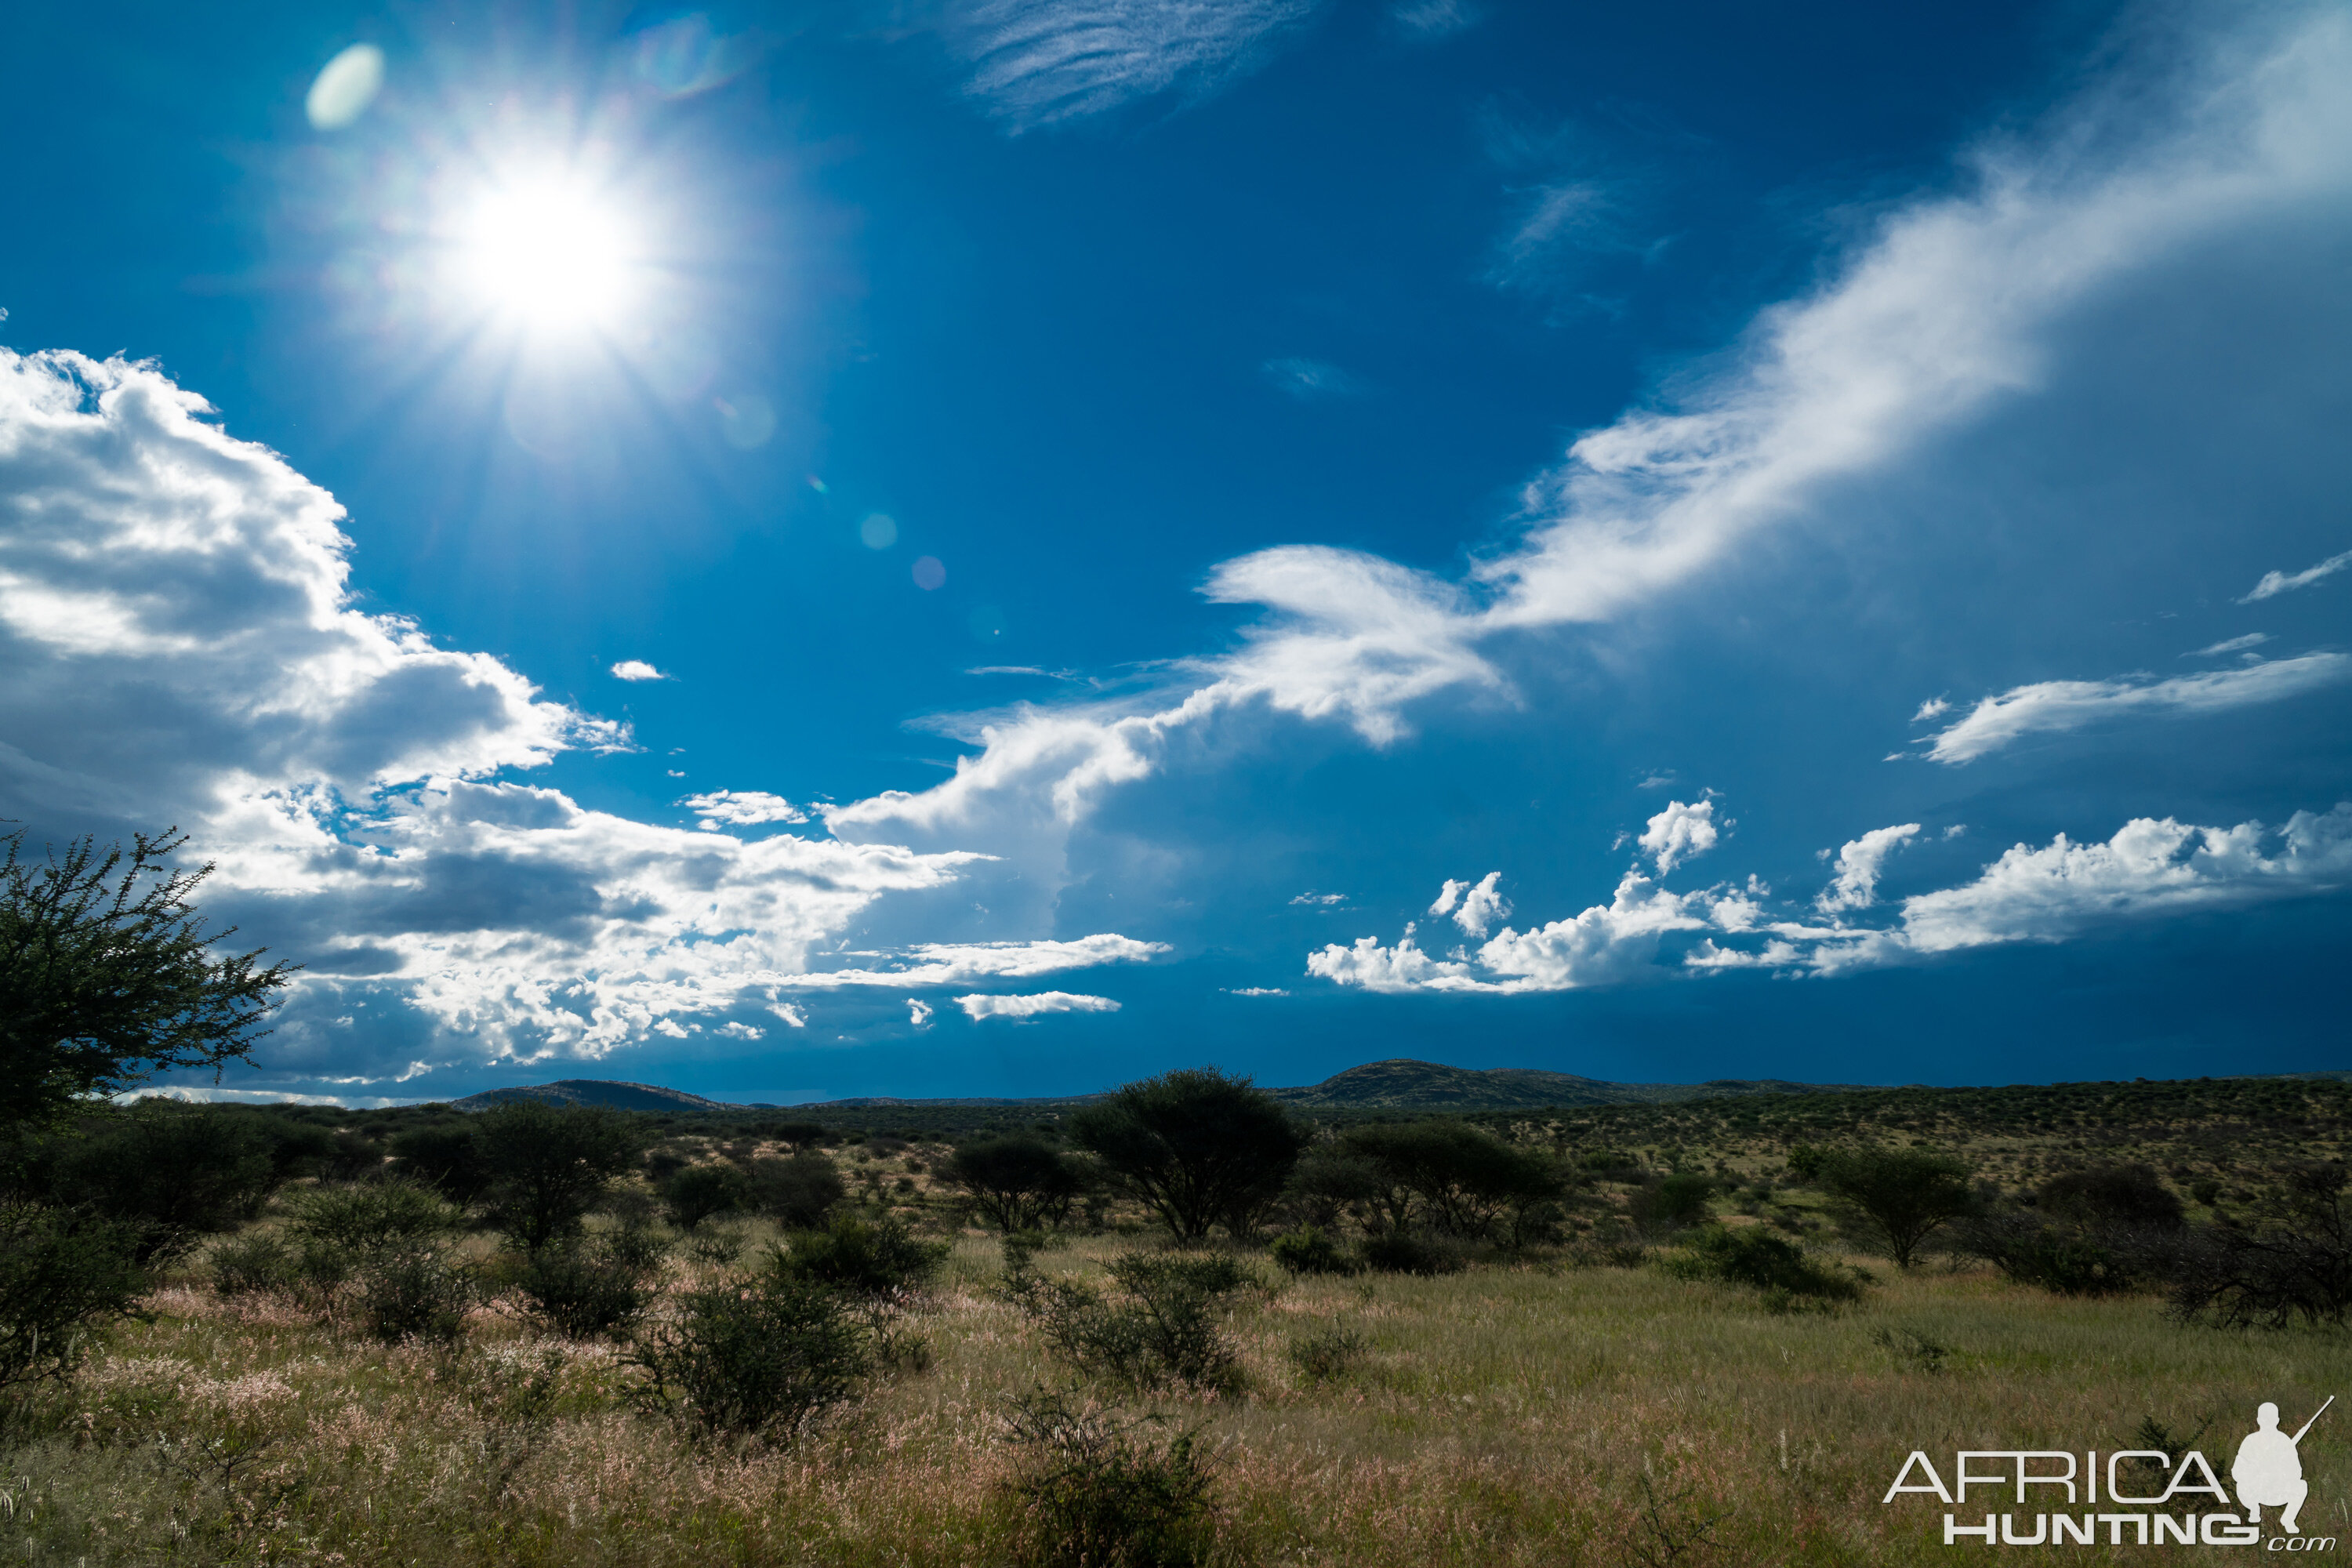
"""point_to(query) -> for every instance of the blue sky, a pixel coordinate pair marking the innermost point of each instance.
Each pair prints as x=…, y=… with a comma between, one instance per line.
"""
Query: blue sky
x=998, y=546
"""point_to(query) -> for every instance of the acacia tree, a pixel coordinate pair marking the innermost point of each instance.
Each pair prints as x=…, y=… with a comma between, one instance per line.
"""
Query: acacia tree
x=1458, y=1179
x=1903, y=1195
x=550, y=1164
x=1019, y=1183
x=107, y=976
x=1200, y=1149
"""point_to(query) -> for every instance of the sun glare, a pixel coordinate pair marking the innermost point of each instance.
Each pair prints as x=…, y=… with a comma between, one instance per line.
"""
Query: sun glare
x=551, y=253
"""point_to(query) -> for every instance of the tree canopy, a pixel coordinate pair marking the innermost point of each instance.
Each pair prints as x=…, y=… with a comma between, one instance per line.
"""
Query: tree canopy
x=1199, y=1148
x=107, y=976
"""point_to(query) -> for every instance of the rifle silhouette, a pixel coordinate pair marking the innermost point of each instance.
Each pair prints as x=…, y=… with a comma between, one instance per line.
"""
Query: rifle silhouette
x=2315, y=1415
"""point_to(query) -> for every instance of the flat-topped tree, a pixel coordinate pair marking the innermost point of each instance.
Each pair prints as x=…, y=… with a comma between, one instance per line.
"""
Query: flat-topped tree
x=108, y=976
x=1200, y=1149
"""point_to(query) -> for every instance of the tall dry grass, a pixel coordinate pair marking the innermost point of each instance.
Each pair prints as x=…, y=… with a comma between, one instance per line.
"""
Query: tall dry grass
x=1519, y=1415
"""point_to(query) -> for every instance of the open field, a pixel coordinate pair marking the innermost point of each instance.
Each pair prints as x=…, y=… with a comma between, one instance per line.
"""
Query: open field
x=1508, y=1415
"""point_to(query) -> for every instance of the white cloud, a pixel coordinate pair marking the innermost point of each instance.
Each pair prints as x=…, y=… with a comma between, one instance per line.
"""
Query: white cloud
x=2051, y=706
x=741, y=808
x=1255, y=991
x=1680, y=832
x=1434, y=19
x=2229, y=645
x=794, y=1017
x=1475, y=906
x=1319, y=899
x=2151, y=866
x=740, y=1031
x=636, y=669
x=1934, y=708
x=1859, y=862
x=2276, y=582
x=1039, y=61
x=1607, y=944
x=962, y=963
x=918, y=1013
x=978, y=1007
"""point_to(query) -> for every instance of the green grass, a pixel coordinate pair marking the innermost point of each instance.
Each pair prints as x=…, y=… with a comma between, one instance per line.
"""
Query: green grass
x=1505, y=1415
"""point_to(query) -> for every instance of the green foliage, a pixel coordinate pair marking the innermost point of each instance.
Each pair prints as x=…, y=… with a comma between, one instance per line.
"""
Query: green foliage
x=1901, y=1196
x=416, y=1294
x=1402, y=1252
x=175, y=1169
x=2128, y=1196
x=1684, y=1198
x=371, y=1217
x=1310, y=1250
x=759, y=1358
x=696, y=1193
x=1329, y=1184
x=550, y=1164
x=1763, y=1260
x=2292, y=1262
x=876, y=1257
x=577, y=1292
x=1324, y=1353
x=1196, y=1147
x=448, y=1155
x=801, y=1191
x=1166, y=1324
x=63, y=1277
x=2065, y=1257
x=1461, y=1181
x=253, y=1264
x=1020, y=1183
x=1094, y=1491
x=107, y=976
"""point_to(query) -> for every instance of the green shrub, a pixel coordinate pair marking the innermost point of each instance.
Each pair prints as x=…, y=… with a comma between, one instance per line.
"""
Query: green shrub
x=1167, y=1326
x=63, y=1276
x=696, y=1193
x=879, y=1258
x=1310, y=1250
x=715, y=1245
x=447, y=1156
x=759, y=1359
x=1445, y=1175
x=801, y=1192
x=636, y=1247
x=1684, y=1198
x=416, y=1295
x=368, y=1217
x=1094, y=1492
x=1322, y=1354
x=251, y=1264
x=1020, y=1183
x=1759, y=1259
x=550, y=1164
x=1402, y=1252
x=577, y=1293
x=178, y=1170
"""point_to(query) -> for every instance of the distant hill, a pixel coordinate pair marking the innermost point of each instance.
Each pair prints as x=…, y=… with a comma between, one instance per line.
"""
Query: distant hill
x=1404, y=1084
x=1400, y=1084
x=595, y=1091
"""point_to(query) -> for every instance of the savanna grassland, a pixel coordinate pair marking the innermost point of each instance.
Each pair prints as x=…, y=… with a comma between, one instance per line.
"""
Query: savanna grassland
x=1570, y=1400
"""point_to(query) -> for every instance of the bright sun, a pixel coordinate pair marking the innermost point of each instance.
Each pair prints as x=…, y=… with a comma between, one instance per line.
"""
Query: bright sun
x=550, y=252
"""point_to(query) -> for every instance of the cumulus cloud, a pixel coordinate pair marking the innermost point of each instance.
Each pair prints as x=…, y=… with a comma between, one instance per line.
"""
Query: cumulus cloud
x=636, y=669
x=2151, y=868
x=1475, y=906
x=182, y=647
x=2055, y=706
x=1607, y=944
x=977, y=1008
x=1037, y=62
x=741, y=808
x=1680, y=832
x=2276, y=582
x=918, y=1013
x=1858, y=865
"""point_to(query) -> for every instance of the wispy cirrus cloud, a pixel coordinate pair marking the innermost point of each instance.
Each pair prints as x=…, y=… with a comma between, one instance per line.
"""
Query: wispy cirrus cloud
x=1308, y=379
x=2049, y=707
x=2276, y=582
x=1040, y=62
